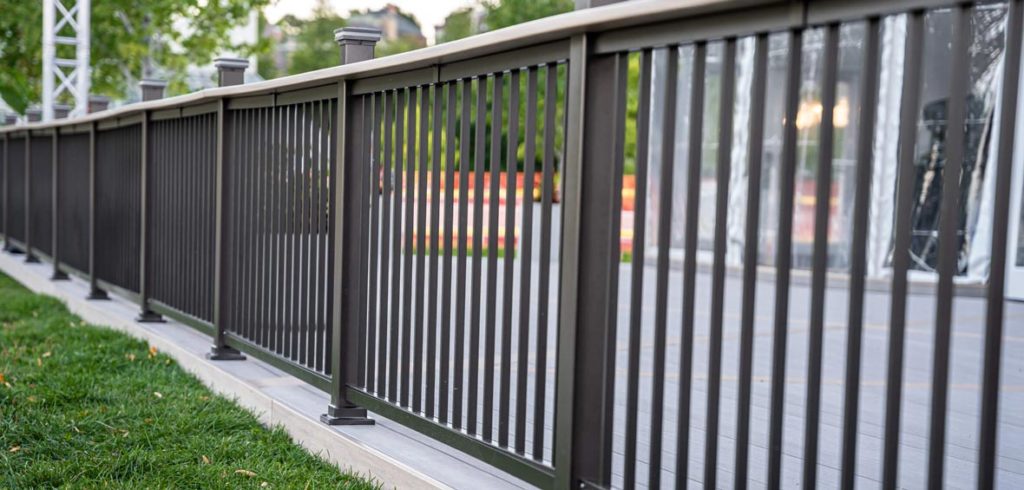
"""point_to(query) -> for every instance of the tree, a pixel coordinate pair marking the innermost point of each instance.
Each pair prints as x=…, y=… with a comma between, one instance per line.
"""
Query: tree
x=505, y=13
x=457, y=25
x=314, y=39
x=129, y=39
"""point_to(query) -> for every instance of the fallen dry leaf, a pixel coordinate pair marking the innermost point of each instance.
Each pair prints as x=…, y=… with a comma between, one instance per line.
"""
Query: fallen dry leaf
x=39, y=362
x=248, y=473
x=152, y=351
x=158, y=394
x=265, y=484
x=14, y=449
x=130, y=356
x=206, y=460
x=47, y=354
x=2, y=379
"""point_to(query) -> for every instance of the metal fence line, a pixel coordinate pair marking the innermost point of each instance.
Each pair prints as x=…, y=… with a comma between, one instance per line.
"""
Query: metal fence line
x=462, y=239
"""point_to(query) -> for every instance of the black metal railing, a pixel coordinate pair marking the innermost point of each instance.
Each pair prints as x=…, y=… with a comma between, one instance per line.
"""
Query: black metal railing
x=598, y=250
x=181, y=217
x=73, y=204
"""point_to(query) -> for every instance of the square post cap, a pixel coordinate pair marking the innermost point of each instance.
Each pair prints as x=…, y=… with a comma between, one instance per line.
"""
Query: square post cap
x=228, y=63
x=356, y=43
x=152, y=89
x=230, y=71
x=10, y=119
x=61, y=111
x=98, y=103
x=357, y=35
x=34, y=114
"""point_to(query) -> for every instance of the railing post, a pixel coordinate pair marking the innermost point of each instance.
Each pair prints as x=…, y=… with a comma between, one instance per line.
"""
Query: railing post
x=220, y=351
x=94, y=290
x=3, y=195
x=347, y=215
x=146, y=315
x=29, y=258
x=590, y=263
x=356, y=43
x=57, y=275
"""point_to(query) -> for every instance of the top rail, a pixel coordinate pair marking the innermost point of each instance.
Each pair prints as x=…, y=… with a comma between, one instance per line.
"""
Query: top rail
x=622, y=26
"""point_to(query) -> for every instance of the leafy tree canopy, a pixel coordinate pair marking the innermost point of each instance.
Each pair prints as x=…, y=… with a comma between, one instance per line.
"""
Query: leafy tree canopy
x=505, y=13
x=129, y=38
x=499, y=14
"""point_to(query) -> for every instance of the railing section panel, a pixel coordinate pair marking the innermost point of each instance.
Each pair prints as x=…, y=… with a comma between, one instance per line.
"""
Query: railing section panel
x=73, y=205
x=751, y=163
x=461, y=248
x=278, y=164
x=182, y=159
x=16, y=148
x=118, y=205
x=3, y=184
x=41, y=183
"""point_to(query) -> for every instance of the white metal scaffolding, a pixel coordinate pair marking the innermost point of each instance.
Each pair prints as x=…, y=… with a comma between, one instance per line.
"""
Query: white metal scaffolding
x=65, y=26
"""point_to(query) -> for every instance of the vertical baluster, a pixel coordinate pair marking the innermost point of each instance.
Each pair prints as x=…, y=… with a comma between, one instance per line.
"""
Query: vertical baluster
x=637, y=270
x=490, y=319
x=389, y=105
x=460, y=282
x=477, y=280
x=949, y=240
x=787, y=171
x=505, y=402
x=435, y=245
x=373, y=251
x=422, y=176
x=726, y=97
x=526, y=260
x=543, y=272
x=858, y=253
x=363, y=160
x=819, y=268
x=690, y=260
x=997, y=273
x=446, y=248
x=750, y=246
x=396, y=242
x=901, y=244
x=410, y=206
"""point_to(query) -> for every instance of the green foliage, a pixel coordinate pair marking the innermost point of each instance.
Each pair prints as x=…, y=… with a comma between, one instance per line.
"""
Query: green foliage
x=315, y=48
x=388, y=48
x=128, y=37
x=458, y=25
x=314, y=39
x=505, y=13
x=89, y=407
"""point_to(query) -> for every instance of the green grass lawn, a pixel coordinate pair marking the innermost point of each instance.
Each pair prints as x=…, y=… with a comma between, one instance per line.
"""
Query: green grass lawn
x=87, y=407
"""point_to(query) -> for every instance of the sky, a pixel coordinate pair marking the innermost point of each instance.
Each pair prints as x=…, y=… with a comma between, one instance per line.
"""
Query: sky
x=428, y=12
